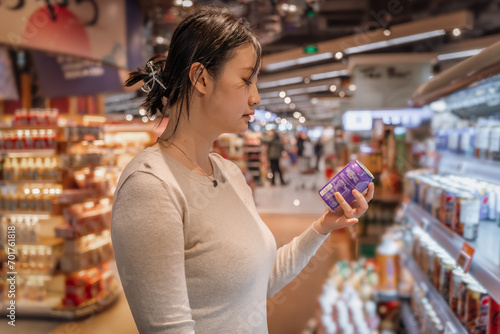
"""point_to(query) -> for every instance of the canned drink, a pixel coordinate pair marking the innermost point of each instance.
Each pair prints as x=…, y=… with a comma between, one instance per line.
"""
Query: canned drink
x=492, y=202
x=448, y=202
x=422, y=191
x=353, y=176
x=429, y=196
x=476, y=308
x=482, y=194
x=466, y=280
x=436, y=203
x=456, y=279
x=468, y=214
x=493, y=317
x=447, y=266
x=494, y=149
x=440, y=256
x=431, y=254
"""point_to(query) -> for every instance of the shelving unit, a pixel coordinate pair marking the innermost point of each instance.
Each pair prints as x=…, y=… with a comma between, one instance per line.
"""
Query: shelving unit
x=442, y=309
x=408, y=319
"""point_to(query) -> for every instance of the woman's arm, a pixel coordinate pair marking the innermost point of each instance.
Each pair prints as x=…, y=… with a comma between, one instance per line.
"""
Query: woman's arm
x=148, y=241
x=294, y=256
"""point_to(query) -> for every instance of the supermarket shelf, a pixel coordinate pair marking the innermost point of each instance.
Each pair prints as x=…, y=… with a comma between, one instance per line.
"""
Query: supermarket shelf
x=28, y=153
x=440, y=306
x=39, y=214
x=17, y=127
x=408, y=319
x=485, y=266
x=24, y=182
x=485, y=170
x=52, y=309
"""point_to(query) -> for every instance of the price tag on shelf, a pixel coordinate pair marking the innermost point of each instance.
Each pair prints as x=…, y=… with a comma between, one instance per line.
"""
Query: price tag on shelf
x=465, y=257
x=424, y=224
x=449, y=328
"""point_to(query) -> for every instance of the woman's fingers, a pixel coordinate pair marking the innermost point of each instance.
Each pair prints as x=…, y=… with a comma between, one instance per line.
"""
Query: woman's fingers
x=348, y=210
x=370, y=192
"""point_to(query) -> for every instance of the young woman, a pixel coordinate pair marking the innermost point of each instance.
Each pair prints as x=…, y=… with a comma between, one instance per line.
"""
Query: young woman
x=192, y=252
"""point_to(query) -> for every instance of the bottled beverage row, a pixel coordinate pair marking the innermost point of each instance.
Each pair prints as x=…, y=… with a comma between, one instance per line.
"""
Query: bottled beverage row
x=35, y=117
x=481, y=141
x=31, y=169
x=347, y=303
x=458, y=202
x=28, y=139
x=470, y=302
x=38, y=198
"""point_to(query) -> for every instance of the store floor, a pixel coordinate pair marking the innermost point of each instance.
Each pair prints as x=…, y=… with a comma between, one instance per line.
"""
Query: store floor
x=288, y=311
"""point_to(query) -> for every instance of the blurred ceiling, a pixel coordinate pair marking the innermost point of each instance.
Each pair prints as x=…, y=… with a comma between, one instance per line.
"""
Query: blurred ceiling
x=285, y=27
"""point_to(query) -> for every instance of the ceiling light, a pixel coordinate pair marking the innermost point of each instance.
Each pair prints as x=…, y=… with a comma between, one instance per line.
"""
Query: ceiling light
x=314, y=100
x=459, y=54
x=333, y=88
x=298, y=61
x=307, y=80
x=267, y=115
x=292, y=105
x=145, y=119
x=292, y=8
x=352, y=87
x=395, y=41
x=302, y=119
x=296, y=114
x=457, y=32
x=282, y=82
x=142, y=112
x=287, y=100
x=282, y=94
x=387, y=32
x=313, y=89
x=285, y=7
x=328, y=75
x=339, y=55
x=278, y=120
x=160, y=40
x=341, y=93
x=129, y=117
x=187, y=3
x=178, y=2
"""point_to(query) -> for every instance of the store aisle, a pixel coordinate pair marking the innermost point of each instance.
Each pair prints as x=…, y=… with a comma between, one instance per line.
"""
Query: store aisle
x=299, y=196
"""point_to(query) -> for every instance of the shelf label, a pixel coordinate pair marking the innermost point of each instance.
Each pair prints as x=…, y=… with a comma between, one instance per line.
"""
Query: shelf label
x=424, y=224
x=465, y=257
x=449, y=328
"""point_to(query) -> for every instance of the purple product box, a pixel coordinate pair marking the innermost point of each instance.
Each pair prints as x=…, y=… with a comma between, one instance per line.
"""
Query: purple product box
x=353, y=176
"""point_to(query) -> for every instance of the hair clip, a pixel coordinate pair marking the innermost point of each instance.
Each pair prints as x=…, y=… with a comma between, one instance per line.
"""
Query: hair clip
x=148, y=86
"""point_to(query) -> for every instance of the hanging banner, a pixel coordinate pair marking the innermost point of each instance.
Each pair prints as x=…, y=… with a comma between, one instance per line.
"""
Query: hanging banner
x=387, y=86
x=8, y=88
x=84, y=28
x=62, y=76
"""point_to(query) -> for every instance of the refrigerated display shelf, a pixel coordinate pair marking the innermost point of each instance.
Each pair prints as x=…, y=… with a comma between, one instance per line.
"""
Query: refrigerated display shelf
x=486, y=170
x=29, y=153
x=485, y=266
x=408, y=319
x=440, y=306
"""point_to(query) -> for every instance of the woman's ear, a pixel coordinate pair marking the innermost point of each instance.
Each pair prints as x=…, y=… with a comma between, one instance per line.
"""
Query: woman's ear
x=199, y=77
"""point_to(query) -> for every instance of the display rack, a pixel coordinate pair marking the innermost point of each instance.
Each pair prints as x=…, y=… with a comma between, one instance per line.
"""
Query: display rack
x=485, y=263
x=485, y=170
x=442, y=309
x=408, y=319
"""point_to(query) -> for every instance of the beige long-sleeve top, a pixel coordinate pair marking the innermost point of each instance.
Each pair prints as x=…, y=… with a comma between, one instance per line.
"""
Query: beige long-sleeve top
x=193, y=258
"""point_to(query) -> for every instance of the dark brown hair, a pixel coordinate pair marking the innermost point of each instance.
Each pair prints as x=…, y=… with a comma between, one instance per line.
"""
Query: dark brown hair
x=210, y=37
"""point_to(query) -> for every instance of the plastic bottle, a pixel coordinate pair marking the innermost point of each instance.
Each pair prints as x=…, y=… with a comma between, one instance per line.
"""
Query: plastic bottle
x=387, y=255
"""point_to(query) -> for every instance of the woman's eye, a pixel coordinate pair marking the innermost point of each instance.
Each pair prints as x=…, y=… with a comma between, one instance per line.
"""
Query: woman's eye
x=247, y=82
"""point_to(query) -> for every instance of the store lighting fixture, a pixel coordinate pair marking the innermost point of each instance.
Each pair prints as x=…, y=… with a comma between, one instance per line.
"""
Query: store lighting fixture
x=459, y=54
x=187, y=3
x=302, y=119
x=457, y=32
x=282, y=94
x=297, y=115
x=268, y=115
x=129, y=117
x=282, y=82
x=142, y=112
x=287, y=100
x=296, y=202
x=387, y=32
x=252, y=118
x=263, y=123
x=395, y=41
x=333, y=88
x=152, y=117
x=160, y=40
x=352, y=87
x=292, y=8
x=145, y=119
x=339, y=55
x=342, y=94
x=307, y=80
x=278, y=120
x=314, y=100
x=178, y=2
x=328, y=75
x=292, y=106
x=313, y=89
x=299, y=61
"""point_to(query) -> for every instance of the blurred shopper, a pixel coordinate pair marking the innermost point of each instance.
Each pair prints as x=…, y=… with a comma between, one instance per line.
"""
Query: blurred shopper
x=274, y=152
x=308, y=155
x=318, y=152
x=192, y=253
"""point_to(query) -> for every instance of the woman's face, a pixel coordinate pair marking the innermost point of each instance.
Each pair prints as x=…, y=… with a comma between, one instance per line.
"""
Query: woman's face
x=234, y=95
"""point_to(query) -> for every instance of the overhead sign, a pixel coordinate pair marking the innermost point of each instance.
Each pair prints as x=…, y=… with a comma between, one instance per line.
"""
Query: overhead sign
x=62, y=76
x=8, y=87
x=387, y=86
x=89, y=29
